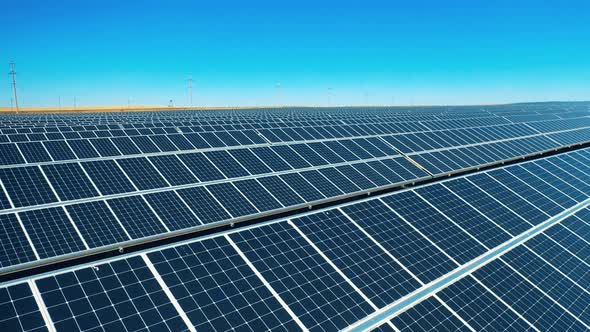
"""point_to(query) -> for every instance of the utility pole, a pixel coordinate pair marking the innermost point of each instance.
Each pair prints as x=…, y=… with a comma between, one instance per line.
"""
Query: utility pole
x=13, y=74
x=59, y=102
x=190, y=89
x=329, y=97
x=75, y=103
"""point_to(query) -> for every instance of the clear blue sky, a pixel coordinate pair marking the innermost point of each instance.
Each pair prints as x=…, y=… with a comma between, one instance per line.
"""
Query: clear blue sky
x=425, y=52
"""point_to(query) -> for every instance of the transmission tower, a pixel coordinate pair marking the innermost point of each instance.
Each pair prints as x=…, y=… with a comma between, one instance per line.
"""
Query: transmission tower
x=13, y=74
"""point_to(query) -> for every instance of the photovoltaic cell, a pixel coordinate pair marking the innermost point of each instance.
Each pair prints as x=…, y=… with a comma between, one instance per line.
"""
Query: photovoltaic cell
x=26, y=186
x=233, y=201
x=259, y=196
x=108, y=177
x=435, y=226
x=226, y=164
x=19, y=311
x=118, y=296
x=172, y=211
x=428, y=315
x=521, y=295
x=97, y=224
x=315, y=292
x=487, y=205
x=555, y=284
x=173, y=170
x=270, y=158
x=34, y=152
x=135, y=215
x=280, y=190
x=341, y=181
x=59, y=150
x=217, y=290
x=69, y=181
x=464, y=215
x=14, y=247
x=142, y=173
x=203, y=169
x=9, y=155
x=51, y=232
x=247, y=159
x=480, y=308
x=321, y=183
x=203, y=204
x=375, y=273
x=513, y=201
x=308, y=192
x=414, y=251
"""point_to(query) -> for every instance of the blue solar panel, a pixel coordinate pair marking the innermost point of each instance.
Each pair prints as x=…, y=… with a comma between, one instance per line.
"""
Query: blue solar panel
x=291, y=157
x=230, y=198
x=507, y=197
x=69, y=181
x=465, y=216
x=341, y=181
x=412, y=249
x=97, y=224
x=34, y=152
x=26, y=186
x=83, y=149
x=370, y=268
x=14, y=246
x=429, y=315
x=118, y=296
x=108, y=177
x=172, y=210
x=173, y=170
x=135, y=215
x=203, y=169
x=142, y=173
x=256, y=194
x=59, y=150
x=315, y=292
x=488, y=206
x=555, y=284
x=270, y=158
x=435, y=226
x=204, y=205
x=51, y=232
x=279, y=189
x=481, y=309
x=300, y=185
x=524, y=297
x=9, y=155
x=226, y=164
x=105, y=147
x=323, y=270
x=203, y=274
x=321, y=183
x=19, y=311
x=249, y=160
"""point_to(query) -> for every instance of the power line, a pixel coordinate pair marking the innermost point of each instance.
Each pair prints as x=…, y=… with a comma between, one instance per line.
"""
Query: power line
x=13, y=74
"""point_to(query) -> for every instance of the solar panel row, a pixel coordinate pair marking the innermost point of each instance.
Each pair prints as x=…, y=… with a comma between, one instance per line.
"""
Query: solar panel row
x=117, y=142
x=330, y=269
x=86, y=210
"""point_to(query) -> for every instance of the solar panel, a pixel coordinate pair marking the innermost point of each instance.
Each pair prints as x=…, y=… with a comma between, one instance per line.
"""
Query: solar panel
x=504, y=248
